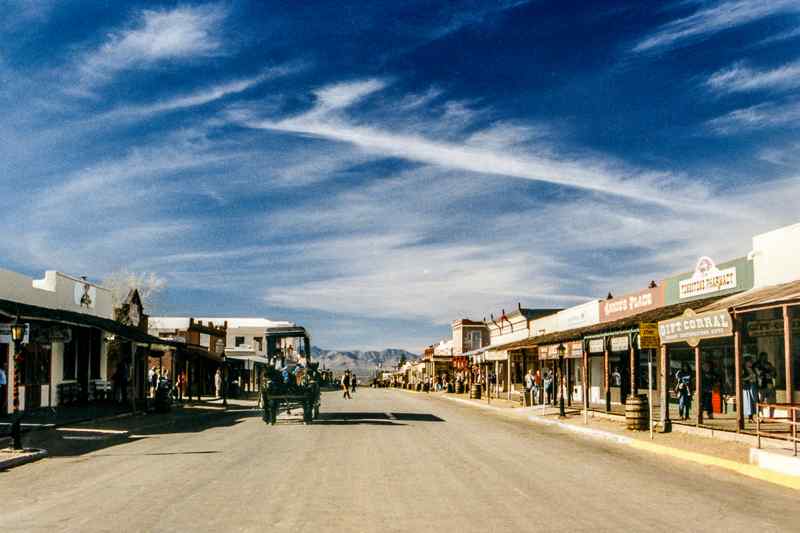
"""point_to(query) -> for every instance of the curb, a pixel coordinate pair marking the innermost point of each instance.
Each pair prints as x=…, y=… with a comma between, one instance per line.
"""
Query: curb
x=25, y=459
x=752, y=471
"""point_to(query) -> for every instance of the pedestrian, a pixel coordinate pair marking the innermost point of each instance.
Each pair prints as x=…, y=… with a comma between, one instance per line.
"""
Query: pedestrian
x=353, y=382
x=548, y=386
x=529, y=387
x=151, y=380
x=346, y=385
x=750, y=389
x=766, y=381
x=683, y=388
x=3, y=386
x=218, y=383
x=537, y=386
x=181, y=384
x=709, y=379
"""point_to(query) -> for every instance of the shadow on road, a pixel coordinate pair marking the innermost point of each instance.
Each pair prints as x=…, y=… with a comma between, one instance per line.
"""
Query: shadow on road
x=374, y=418
x=95, y=436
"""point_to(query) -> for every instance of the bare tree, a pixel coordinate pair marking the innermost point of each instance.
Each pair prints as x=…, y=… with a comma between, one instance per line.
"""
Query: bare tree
x=149, y=284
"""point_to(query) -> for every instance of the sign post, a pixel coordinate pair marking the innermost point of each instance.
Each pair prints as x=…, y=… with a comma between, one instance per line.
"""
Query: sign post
x=649, y=340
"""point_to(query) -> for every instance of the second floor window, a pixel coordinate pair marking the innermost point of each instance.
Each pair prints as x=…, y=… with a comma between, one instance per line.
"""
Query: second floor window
x=238, y=341
x=259, y=343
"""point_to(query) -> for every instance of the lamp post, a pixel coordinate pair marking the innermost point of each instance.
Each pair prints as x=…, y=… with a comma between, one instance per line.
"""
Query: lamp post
x=17, y=336
x=562, y=350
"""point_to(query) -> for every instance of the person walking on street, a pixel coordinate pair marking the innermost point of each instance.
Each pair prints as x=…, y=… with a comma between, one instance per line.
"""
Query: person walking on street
x=548, y=386
x=218, y=383
x=684, y=390
x=353, y=382
x=537, y=387
x=181, y=384
x=346, y=385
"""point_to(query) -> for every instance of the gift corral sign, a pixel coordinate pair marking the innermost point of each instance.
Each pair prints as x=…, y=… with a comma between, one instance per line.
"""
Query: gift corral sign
x=692, y=327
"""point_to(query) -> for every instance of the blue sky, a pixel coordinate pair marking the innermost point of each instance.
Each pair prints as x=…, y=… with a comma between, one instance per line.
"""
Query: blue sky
x=375, y=170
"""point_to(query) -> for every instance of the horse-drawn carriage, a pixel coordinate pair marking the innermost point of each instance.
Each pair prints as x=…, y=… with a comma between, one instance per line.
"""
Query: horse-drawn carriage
x=290, y=384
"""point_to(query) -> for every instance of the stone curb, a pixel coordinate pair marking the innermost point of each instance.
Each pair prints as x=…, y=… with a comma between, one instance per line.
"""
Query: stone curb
x=19, y=461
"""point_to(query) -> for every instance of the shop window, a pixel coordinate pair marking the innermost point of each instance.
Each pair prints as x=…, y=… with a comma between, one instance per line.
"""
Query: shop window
x=762, y=338
x=69, y=365
x=96, y=353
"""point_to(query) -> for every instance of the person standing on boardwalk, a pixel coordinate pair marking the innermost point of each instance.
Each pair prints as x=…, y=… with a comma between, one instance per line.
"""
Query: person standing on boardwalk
x=684, y=390
x=353, y=382
x=750, y=386
x=218, y=383
x=346, y=385
x=529, y=387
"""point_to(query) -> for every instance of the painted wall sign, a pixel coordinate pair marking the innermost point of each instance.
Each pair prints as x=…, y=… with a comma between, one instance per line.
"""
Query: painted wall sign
x=649, y=338
x=631, y=304
x=619, y=344
x=770, y=328
x=692, y=327
x=85, y=295
x=708, y=279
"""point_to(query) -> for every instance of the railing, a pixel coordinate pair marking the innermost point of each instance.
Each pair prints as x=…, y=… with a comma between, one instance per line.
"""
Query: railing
x=791, y=419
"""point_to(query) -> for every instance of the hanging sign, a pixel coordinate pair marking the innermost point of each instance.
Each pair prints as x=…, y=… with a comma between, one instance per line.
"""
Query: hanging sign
x=596, y=345
x=649, y=338
x=619, y=344
x=692, y=327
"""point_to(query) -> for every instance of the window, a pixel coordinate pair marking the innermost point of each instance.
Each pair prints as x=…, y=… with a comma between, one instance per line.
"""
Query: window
x=259, y=343
x=477, y=341
x=238, y=341
x=70, y=358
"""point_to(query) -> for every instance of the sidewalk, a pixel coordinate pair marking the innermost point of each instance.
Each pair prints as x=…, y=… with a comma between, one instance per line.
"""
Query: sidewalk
x=733, y=455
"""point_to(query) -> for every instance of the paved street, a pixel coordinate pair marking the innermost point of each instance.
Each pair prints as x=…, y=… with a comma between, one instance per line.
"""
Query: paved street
x=386, y=461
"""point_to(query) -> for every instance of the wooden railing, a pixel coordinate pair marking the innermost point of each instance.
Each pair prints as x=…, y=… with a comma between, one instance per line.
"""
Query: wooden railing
x=791, y=419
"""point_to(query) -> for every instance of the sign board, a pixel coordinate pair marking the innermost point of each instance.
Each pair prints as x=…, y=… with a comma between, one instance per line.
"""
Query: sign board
x=620, y=344
x=575, y=349
x=85, y=295
x=649, y=338
x=692, y=327
x=632, y=304
x=707, y=279
x=770, y=328
x=596, y=345
x=578, y=316
x=496, y=355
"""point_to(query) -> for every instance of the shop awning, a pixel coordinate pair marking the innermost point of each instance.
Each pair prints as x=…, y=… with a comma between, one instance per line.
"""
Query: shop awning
x=761, y=298
x=34, y=312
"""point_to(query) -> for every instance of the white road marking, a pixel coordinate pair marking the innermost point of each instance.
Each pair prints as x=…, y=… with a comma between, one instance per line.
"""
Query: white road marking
x=391, y=416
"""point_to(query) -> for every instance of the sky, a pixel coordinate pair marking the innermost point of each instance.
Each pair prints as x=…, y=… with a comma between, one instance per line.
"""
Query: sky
x=375, y=170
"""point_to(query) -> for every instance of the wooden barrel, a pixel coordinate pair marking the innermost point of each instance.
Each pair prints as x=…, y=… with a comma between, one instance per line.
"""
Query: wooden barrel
x=637, y=412
x=475, y=392
x=459, y=387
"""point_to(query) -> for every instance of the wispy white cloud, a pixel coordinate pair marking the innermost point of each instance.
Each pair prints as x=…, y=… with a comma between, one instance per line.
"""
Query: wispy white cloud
x=708, y=21
x=782, y=36
x=761, y=116
x=325, y=121
x=155, y=36
x=741, y=78
x=198, y=98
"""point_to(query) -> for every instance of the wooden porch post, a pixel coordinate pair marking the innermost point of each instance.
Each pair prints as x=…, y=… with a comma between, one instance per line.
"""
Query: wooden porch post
x=698, y=387
x=665, y=378
x=585, y=379
x=737, y=368
x=606, y=384
x=508, y=381
x=787, y=349
x=632, y=355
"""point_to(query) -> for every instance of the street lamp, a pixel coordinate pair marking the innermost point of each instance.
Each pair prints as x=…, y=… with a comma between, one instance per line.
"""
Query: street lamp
x=17, y=336
x=562, y=350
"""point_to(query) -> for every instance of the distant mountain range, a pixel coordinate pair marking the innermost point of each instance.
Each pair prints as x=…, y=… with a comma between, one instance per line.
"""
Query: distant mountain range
x=362, y=362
